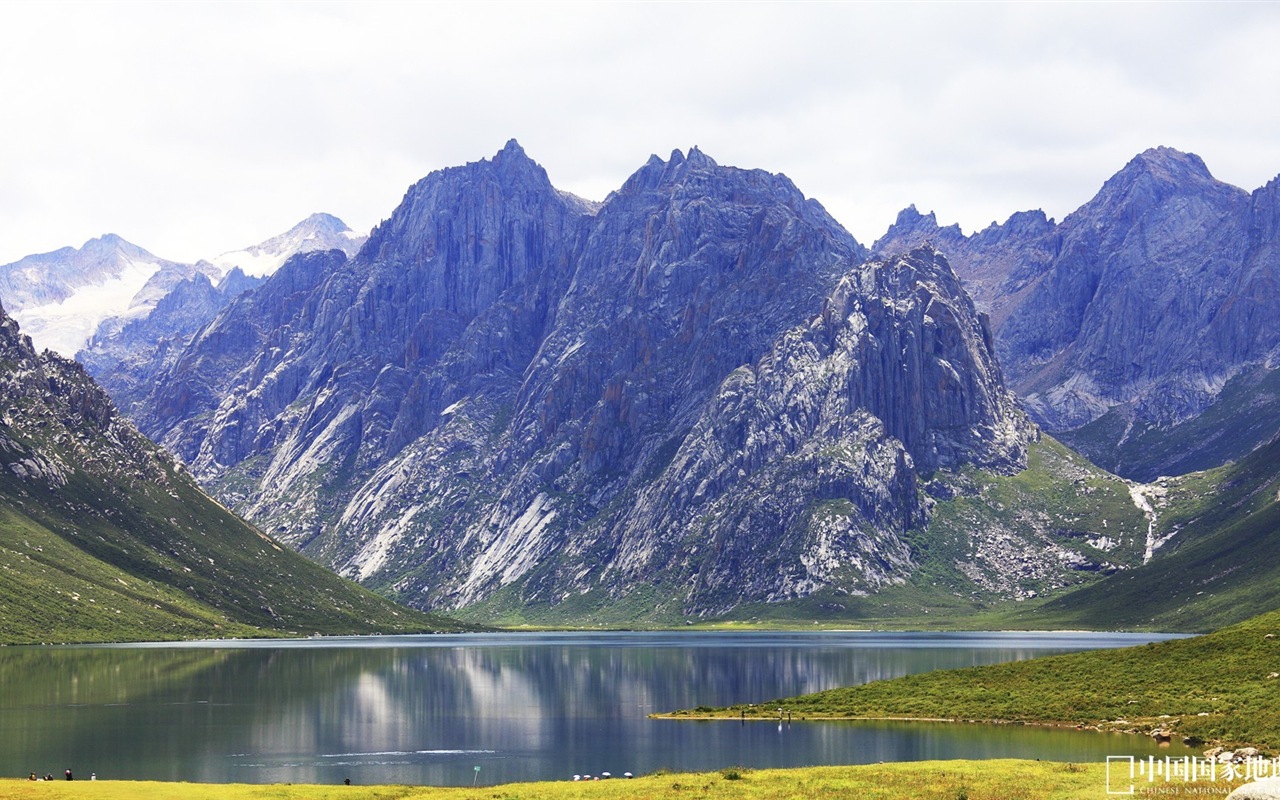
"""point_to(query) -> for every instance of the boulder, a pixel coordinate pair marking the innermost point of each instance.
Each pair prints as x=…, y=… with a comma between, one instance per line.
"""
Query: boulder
x=1265, y=789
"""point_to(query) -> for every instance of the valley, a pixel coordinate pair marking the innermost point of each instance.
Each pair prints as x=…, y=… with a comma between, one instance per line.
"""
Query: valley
x=699, y=405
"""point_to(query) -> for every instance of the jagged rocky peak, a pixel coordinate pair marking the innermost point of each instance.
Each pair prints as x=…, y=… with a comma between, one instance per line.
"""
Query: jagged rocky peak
x=236, y=282
x=1134, y=312
x=912, y=229
x=1167, y=165
x=1022, y=226
x=696, y=177
x=943, y=396
x=513, y=157
x=1150, y=180
x=1265, y=225
x=910, y=218
x=465, y=204
x=507, y=391
x=677, y=168
x=801, y=470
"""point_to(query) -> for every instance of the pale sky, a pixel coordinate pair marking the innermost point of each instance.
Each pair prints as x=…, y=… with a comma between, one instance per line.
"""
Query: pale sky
x=191, y=129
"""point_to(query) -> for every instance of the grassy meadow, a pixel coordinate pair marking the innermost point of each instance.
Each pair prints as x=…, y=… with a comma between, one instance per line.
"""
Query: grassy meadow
x=929, y=780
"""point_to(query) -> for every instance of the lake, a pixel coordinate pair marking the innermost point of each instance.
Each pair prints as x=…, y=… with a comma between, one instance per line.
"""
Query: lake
x=520, y=706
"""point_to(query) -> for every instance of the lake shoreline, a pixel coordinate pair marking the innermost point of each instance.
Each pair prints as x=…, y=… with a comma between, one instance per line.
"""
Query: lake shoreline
x=725, y=716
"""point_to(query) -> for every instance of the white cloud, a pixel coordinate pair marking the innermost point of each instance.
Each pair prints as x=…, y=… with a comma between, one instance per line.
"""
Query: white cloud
x=194, y=128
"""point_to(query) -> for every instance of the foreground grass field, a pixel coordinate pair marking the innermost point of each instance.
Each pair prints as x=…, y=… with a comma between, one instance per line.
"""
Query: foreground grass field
x=930, y=780
x=1223, y=687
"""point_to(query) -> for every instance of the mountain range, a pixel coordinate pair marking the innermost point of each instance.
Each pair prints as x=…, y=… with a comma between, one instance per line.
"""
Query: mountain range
x=1144, y=329
x=70, y=298
x=694, y=395
x=702, y=397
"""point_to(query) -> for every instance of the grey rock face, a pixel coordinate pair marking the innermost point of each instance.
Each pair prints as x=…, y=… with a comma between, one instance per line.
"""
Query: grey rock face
x=695, y=393
x=1145, y=302
x=57, y=422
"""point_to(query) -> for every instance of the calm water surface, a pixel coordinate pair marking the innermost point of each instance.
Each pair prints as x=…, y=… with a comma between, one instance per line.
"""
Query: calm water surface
x=428, y=710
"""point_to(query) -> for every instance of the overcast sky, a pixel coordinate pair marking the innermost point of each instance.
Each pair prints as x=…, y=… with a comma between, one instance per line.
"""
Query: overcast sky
x=191, y=129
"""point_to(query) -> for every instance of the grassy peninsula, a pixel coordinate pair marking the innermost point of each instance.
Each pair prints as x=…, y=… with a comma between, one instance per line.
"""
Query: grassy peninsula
x=1223, y=687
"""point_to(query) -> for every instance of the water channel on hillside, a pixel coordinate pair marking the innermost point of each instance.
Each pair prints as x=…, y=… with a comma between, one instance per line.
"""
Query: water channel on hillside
x=546, y=706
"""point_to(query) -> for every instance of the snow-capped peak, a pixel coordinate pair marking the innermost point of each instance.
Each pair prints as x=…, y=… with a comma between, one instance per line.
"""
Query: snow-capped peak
x=316, y=232
x=60, y=297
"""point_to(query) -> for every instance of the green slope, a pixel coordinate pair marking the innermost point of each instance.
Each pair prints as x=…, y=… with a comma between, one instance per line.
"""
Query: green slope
x=104, y=538
x=1221, y=565
x=94, y=561
x=1216, y=687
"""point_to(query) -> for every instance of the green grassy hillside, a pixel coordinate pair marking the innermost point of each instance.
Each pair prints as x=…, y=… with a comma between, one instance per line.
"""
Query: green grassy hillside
x=104, y=538
x=95, y=561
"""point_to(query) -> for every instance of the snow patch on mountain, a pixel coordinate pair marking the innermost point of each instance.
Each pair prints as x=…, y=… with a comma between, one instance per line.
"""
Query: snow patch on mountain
x=65, y=327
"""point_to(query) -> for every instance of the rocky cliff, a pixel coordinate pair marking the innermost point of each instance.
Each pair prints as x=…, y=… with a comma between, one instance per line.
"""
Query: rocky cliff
x=693, y=395
x=1143, y=327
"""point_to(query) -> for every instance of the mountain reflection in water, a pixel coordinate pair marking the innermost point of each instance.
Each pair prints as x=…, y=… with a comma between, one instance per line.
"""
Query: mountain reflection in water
x=428, y=710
